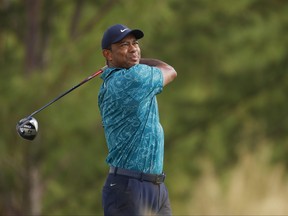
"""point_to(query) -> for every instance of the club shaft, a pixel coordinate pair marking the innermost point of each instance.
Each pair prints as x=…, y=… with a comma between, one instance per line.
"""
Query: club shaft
x=68, y=91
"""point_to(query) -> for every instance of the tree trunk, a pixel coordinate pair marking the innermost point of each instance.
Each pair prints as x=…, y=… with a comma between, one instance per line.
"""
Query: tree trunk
x=33, y=186
x=75, y=18
x=36, y=190
x=32, y=34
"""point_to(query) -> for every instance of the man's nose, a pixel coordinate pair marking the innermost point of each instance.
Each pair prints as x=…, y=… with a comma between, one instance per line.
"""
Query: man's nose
x=132, y=47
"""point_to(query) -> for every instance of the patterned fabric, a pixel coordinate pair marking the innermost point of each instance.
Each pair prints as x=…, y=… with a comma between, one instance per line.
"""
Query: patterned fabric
x=129, y=110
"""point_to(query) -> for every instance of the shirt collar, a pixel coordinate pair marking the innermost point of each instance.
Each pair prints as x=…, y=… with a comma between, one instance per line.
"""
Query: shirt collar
x=107, y=72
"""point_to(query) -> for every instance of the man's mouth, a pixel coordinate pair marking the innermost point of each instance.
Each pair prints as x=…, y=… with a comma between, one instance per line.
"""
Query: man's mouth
x=134, y=58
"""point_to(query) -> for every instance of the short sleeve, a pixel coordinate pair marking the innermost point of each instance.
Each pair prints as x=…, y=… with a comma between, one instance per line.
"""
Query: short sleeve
x=141, y=81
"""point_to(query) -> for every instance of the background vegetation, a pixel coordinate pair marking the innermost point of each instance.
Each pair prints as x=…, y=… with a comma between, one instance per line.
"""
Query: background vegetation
x=225, y=117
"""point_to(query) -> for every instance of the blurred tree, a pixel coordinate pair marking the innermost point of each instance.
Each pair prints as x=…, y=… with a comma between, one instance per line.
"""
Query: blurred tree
x=29, y=30
x=229, y=94
x=231, y=60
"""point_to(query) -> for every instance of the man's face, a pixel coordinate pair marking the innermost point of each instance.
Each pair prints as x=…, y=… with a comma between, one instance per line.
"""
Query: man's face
x=125, y=53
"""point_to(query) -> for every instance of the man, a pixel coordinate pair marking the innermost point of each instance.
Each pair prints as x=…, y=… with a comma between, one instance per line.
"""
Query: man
x=134, y=136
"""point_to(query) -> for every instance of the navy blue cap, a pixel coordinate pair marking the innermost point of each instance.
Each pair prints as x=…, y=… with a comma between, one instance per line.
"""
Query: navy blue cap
x=116, y=33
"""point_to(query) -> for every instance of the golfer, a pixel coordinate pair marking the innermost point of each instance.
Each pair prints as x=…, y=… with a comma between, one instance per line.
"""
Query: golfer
x=134, y=135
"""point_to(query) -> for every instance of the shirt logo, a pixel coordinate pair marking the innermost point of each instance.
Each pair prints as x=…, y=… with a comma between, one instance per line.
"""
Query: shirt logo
x=123, y=30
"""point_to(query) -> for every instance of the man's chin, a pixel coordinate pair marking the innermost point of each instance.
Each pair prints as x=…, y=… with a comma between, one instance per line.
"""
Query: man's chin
x=132, y=63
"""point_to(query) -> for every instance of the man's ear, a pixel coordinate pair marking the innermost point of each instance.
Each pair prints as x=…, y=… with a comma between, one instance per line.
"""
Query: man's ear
x=107, y=54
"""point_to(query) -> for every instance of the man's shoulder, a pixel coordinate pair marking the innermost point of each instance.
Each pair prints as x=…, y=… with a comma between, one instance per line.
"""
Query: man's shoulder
x=143, y=67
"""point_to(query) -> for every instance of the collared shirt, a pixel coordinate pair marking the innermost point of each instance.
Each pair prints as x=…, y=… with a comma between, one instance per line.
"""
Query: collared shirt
x=129, y=111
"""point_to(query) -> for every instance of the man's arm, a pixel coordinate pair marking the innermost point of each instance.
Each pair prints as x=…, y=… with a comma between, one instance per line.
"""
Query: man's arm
x=169, y=73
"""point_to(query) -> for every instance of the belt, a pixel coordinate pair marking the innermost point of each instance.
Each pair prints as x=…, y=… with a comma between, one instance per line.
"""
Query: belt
x=156, y=179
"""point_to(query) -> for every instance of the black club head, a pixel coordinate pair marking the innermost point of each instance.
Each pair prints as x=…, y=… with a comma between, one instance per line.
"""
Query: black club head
x=27, y=128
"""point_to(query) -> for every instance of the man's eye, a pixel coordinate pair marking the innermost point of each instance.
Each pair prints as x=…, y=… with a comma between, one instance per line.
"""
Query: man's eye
x=124, y=44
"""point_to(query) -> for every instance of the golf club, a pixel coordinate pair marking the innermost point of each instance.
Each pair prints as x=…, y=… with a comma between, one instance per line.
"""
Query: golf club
x=27, y=127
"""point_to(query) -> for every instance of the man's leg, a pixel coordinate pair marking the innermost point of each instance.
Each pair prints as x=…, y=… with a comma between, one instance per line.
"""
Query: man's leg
x=117, y=198
x=122, y=195
x=165, y=207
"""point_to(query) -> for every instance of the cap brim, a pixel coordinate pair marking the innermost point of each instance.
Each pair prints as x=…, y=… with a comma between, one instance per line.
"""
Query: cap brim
x=136, y=32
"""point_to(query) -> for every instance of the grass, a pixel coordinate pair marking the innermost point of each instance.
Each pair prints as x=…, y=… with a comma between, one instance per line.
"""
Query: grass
x=253, y=187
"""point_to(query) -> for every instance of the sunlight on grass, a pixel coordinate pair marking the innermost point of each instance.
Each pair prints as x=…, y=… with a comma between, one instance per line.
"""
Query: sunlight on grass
x=253, y=187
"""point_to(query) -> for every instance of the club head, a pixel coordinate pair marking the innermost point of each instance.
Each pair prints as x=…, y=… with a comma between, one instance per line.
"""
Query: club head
x=27, y=128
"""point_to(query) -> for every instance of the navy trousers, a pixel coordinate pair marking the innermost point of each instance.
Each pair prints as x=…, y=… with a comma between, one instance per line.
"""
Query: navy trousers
x=122, y=195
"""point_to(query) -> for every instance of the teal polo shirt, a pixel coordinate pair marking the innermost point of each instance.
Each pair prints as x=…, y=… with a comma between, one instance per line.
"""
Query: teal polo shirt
x=129, y=111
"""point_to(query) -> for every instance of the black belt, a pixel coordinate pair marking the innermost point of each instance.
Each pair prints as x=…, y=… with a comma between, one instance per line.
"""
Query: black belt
x=156, y=179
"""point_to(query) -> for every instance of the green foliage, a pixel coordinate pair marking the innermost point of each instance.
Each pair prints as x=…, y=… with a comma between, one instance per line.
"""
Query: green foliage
x=231, y=59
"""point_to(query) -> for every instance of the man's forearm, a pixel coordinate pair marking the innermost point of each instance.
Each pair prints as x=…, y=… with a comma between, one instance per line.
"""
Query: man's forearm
x=152, y=62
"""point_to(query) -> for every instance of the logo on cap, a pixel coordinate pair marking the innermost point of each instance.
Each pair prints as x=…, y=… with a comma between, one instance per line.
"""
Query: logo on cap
x=123, y=30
